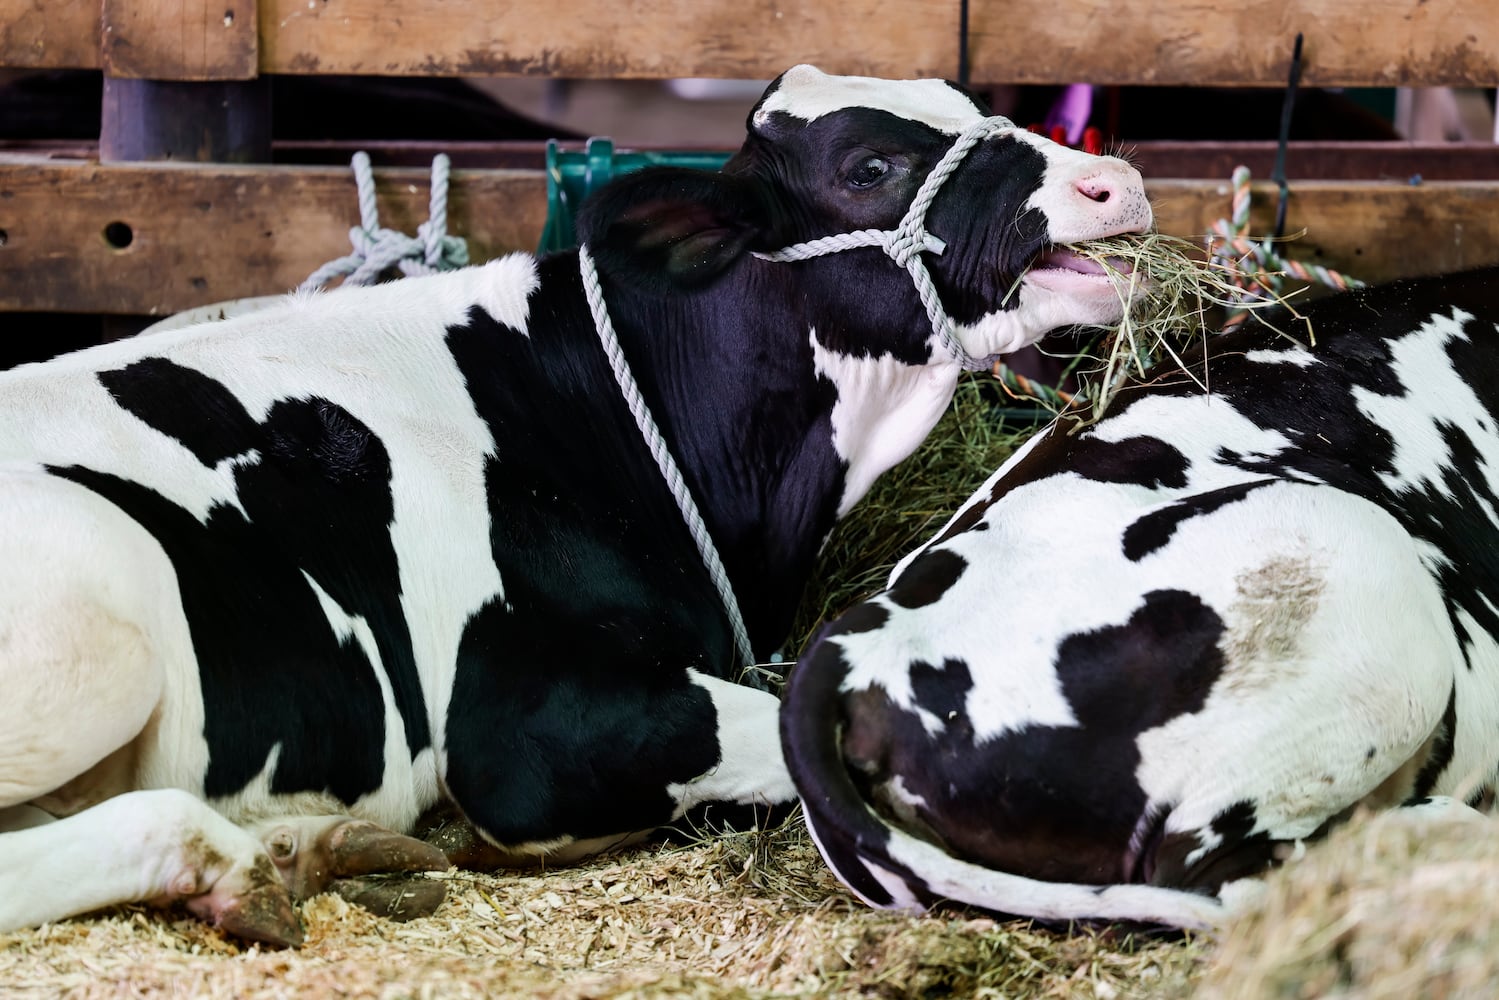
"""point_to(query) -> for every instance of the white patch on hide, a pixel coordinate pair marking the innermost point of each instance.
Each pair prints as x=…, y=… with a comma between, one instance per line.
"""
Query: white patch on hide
x=750, y=767
x=1297, y=355
x=885, y=409
x=808, y=93
x=393, y=804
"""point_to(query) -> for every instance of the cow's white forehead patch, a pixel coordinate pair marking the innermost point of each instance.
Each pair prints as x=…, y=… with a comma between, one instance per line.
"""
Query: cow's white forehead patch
x=808, y=93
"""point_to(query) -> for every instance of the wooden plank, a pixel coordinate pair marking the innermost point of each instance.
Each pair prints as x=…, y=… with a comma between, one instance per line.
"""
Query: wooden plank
x=201, y=234
x=1374, y=43
x=181, y=39
x=1373, y=230
x=1378, y=43
x=598, y=38
x=44, y=34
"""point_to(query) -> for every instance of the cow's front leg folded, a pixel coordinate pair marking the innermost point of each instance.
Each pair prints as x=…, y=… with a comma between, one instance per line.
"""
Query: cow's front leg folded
x=160, y=847
x=360, y=861
x=593, y=763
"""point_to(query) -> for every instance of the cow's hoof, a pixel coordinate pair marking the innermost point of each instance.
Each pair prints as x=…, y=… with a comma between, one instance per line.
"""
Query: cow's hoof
x=263, y=914
x=459, y=840
x=399, y=897
x=359, y=848
x=251, y=903
x=312, y=851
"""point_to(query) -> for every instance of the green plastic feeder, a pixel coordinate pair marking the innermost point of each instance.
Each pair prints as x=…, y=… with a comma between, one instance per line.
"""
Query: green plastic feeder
x=573, y=176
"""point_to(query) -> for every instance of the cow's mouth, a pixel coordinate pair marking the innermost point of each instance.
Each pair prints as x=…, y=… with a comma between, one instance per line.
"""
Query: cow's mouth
x=1057, y=258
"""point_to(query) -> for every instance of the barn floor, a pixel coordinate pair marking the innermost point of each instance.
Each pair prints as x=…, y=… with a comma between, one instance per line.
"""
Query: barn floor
x=744, y=916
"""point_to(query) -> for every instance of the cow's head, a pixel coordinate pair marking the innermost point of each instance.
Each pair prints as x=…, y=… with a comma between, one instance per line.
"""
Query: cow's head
x=830, y=155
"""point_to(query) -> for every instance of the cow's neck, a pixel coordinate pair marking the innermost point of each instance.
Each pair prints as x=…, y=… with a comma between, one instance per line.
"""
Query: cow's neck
x=776, y=434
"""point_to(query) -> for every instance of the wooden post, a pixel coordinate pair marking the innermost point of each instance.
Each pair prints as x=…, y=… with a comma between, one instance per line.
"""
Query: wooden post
x=220, y=121
x=180, y=82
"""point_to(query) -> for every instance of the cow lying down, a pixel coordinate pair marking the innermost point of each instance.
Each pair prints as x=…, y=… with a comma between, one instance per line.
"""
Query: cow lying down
x=328, y=566
x=1144, y=661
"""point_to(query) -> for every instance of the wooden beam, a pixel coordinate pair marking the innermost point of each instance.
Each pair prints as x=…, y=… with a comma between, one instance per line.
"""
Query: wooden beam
x=157, y=238
x=213, y=121
x=181, y=39
x=1378, y=43
x=41, y=34
x=1306, y=161
x=1188, y=42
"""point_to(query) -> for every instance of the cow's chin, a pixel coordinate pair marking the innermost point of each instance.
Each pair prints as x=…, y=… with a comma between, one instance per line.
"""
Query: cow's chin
x=1043, y=303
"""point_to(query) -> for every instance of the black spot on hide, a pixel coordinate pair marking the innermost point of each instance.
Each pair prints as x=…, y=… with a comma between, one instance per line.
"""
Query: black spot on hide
x=1154, y=530
x=930, y=575
x=314, y=502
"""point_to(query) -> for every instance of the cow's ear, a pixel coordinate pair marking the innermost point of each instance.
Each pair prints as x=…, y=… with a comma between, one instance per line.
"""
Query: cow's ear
x=674, y=225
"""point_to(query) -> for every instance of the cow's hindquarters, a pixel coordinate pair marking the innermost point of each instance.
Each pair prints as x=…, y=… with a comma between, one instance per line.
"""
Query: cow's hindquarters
x=82, y=593
x=891, y=868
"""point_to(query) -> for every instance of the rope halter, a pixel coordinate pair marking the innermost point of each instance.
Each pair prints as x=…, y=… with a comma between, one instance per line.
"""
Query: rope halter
x=905, y=243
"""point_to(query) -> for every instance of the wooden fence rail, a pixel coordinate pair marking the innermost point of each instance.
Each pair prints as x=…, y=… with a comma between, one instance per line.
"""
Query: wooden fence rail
x=1190, y=42
x=157, y=238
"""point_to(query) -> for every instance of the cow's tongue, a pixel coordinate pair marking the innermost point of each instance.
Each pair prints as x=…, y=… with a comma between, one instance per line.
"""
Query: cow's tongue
x=1069, y=260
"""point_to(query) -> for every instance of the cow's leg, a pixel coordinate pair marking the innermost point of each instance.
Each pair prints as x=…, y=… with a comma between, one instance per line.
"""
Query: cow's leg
x=159, y=846
x=340, y=853
x=86, y=604
x=750, y=769
x=567, y=767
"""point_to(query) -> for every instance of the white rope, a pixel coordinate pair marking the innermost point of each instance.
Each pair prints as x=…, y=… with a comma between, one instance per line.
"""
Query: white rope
x=906, y=242
x=376, y=249
x=659, y=451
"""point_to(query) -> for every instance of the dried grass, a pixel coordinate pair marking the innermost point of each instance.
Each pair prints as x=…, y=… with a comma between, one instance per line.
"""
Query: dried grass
x=1173, y=297
x=1390, y=907
x=909, y=503
x=748, y=915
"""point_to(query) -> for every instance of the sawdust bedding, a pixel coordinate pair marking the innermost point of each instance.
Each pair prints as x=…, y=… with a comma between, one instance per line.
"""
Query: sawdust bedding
x=747, y=915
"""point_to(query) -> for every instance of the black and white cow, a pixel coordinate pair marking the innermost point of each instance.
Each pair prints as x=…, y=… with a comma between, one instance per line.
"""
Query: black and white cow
x=1147, y=659
x=328, y=565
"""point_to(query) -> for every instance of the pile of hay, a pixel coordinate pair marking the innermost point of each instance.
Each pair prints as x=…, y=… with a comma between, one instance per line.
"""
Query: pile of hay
x=908, y=504
x=742, y=916
x=1389, y=907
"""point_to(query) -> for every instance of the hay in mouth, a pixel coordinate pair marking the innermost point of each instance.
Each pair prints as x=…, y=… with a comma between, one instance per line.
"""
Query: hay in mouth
x=1169, y=294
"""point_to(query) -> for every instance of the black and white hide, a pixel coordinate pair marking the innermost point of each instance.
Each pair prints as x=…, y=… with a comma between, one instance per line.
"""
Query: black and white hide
x=271, y=588
x=1149, y=659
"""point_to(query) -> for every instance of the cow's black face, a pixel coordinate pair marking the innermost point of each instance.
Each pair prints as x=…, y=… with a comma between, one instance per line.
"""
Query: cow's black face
x=845, y=153
x=829, y=155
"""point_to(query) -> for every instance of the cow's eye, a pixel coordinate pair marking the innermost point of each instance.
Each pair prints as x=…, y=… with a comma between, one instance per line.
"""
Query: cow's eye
x=868, y=171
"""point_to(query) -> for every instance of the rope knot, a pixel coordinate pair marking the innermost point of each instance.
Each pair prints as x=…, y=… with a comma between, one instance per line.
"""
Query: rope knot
x=376, y=248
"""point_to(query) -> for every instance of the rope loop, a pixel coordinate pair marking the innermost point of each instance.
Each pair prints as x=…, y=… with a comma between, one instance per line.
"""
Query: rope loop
x=1253, y=265
x=376, y=249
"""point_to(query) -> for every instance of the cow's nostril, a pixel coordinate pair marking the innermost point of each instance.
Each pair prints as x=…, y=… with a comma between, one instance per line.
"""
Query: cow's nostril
x=1095, y=190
